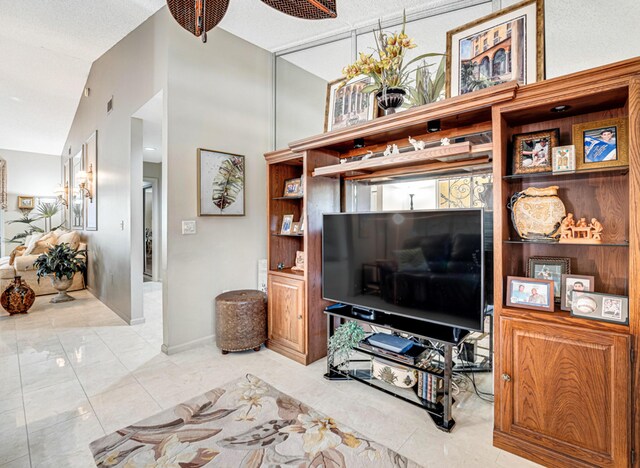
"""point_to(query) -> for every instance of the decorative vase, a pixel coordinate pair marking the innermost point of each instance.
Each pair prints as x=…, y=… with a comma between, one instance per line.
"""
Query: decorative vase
x=389, y=99
x=61, y=285
x=536, y=213
x=18, y=297
x=393, y=374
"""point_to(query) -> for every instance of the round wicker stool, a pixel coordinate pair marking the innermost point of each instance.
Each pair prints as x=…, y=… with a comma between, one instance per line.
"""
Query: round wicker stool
x=241, y=320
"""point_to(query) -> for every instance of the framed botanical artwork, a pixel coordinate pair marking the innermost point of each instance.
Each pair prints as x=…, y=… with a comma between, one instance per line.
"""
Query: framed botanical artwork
x=600, y=144
x=599, y=306
x=572, y=283
x=549, y=268
x=293, y=188
x=507, y=45
x=530, y=293
x=91, y=163
x=287, y=224
x=347, y=105
x=563, y=159
x=220, y=183
x=532, y=151
x=26, y=203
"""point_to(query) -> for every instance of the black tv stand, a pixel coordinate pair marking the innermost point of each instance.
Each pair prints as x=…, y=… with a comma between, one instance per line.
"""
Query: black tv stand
x=448, y=337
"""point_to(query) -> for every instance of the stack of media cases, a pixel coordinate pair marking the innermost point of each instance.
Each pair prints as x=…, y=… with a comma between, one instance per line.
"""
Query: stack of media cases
x=429, y=384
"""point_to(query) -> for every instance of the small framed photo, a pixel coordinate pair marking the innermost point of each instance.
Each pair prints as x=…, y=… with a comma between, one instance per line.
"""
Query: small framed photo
x=287, y=223
x=563, y=159
x=549, y=268
x=601, y=144
x=572, y=283
x=302, y=225
x=599, y=306
x=295, y=229
x=532, y=151
x=529, y=293
x=26, y=203
x=293, y=188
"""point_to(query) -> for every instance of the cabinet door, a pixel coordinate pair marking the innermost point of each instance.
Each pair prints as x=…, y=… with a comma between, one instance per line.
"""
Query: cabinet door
x=566, y=390
x=286, y=312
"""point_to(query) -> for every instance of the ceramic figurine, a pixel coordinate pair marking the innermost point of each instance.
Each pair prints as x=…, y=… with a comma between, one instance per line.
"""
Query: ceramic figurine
x=581, y=232
x=367, y=156
x=343, y=160
x=395, y=149
x=417, y=144
x=566, y=225
x=387, y=152
x=445, y=141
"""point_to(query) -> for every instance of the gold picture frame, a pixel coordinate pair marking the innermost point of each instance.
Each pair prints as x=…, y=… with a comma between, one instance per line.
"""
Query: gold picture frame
x=495, y=22
x=26, y=203
x=532, y=151
x=357, y=116
x=601, y=153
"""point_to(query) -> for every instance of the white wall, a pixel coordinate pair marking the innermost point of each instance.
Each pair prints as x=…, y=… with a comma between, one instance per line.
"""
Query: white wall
x=132, y=72
x=219, y=98
x=30, y=174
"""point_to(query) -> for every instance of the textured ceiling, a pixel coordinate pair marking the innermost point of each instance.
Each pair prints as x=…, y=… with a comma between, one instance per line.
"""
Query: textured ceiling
x=47, y=48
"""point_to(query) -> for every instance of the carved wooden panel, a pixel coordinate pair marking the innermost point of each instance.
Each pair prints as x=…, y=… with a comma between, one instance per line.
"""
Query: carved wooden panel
x=567, y=390
x=287, y=312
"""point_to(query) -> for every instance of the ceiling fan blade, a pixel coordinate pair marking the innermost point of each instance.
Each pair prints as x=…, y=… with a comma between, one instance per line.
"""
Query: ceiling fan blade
x=198, y=16
x=306, y=9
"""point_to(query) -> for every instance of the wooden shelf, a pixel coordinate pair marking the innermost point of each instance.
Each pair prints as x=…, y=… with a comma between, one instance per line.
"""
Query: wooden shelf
x=288, y=272
x=562, y=317
x=288, y=235
x=548, y=176
x=551, y=242
x=444, y=154
x=299, y=197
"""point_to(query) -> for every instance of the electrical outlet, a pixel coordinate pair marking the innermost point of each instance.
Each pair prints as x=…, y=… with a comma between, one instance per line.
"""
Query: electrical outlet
x=189, y=227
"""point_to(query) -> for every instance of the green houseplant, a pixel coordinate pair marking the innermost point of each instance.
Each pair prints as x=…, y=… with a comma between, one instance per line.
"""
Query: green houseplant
x=61, y=263
x=341, y=344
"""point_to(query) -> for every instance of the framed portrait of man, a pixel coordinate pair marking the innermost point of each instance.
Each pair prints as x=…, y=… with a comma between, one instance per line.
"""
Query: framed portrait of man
x=601, y=144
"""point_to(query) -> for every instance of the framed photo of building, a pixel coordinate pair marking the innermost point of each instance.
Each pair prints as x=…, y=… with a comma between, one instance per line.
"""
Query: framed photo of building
x=507, y=45
x=599, y=306
x=530, y=293
x=572, y=283
x=532, y=151
x=220, y=183
x=601, y=144
x=347, y=105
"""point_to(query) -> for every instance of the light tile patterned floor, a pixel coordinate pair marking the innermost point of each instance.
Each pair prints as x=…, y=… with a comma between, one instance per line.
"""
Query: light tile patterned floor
x=72, y=372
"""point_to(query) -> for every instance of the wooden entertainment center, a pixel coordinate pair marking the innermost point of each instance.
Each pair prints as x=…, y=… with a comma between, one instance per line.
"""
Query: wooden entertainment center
x=566, y=388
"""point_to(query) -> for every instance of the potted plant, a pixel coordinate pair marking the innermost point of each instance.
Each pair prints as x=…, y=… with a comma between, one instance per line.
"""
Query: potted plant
x=61, y=263
x=391, y=76
x=341, y=344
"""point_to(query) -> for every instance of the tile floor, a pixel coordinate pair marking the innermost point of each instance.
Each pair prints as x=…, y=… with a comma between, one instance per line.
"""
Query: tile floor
x=74, y=372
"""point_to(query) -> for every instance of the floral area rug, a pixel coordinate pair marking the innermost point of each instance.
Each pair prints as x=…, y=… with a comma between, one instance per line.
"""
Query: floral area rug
x=246, y=423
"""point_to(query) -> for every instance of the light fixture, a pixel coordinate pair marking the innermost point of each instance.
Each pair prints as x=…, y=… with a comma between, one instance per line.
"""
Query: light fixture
x=149, y=148
x=200, y=16
x=15, y=99
x=84, y=179
x=561, y=108
x=62, y=192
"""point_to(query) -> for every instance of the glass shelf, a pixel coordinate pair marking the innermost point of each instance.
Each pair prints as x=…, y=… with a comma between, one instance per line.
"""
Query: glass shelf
x=550, y=242
x=298, y=197
x=287, y=235
x=547, y=176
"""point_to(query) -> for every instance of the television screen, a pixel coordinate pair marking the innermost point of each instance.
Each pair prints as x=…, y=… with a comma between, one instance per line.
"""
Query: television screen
x=426, y=265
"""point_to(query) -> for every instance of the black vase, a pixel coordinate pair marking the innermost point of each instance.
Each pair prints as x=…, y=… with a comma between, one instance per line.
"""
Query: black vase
x=389, y=99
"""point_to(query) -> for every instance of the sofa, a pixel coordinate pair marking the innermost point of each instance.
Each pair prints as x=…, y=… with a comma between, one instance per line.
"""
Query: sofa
x=20, y=263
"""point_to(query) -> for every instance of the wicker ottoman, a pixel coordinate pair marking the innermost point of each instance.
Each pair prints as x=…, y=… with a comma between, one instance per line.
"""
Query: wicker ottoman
x=241, y=320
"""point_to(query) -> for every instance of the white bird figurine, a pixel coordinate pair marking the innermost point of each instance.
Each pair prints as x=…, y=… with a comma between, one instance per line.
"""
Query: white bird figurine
x=444, y=141
x=417, y=144
x=387, y=152
x=367, y=156
x=343, y=160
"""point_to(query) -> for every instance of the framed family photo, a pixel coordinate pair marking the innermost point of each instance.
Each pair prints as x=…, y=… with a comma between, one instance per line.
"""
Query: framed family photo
x=220, y=183
x=347, y=105
x=549, y=268
x=287, y=225
x=529, y=293
x=532, y=151
x=507, y=45
x=572, y=283
x=599, y=306
x=293, y=188
x=601, y=144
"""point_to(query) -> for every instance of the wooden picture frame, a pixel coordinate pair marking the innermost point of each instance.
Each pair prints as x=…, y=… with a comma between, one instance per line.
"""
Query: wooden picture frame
x=221, y=183
x=532, y=151
x=523, y=293
x=295, y=229
x=601, y=144
x=356, y=107
x=293, y=188
x=550, y=268
x=563, y=159
x=600, y=306
x=287, y=225
x=481, y=41
x=568, y=284
x=26, y=202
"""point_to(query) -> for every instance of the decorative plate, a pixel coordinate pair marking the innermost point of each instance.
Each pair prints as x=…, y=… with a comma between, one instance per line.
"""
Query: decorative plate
x=393, y=373
x=536, y=213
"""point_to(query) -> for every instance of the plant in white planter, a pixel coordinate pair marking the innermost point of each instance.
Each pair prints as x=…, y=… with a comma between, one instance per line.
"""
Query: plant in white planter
x=60, y=263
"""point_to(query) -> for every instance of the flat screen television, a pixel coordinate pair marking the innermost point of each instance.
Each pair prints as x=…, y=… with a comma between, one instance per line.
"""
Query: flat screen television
x=425, y=265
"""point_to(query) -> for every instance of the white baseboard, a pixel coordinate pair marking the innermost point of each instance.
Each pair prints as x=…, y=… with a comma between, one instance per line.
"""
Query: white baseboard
x=137, y=321
x=189, y=345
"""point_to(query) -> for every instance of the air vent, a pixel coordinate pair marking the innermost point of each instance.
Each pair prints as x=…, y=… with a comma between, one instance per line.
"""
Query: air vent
x=110, y=105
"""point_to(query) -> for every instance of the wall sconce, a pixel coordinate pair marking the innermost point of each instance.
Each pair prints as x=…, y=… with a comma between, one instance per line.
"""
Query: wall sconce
x=85, y=178
x=63, y=194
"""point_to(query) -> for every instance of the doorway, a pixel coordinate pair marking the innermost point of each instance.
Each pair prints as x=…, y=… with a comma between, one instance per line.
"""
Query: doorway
x=147, y=234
